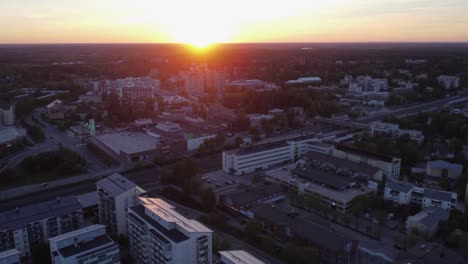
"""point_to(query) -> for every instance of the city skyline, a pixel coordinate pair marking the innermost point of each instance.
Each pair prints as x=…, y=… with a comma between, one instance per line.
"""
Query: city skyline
x=206, y=21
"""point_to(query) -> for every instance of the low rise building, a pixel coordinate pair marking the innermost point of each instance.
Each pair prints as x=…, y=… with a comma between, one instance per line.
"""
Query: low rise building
x=7, y=115
x=405, y=193
x=11, y=256
x=9, y=136
x=86, y=245
x=304, y=81
x=251, y=85
x=32, y=225
x=115, y=195
x=332, y=247
x=427, y=221
x=238, y=257
x=442, y=169
x=55, y=110
x=242, y=199
x=128, y=146
x=394, y=131
x=159, y=234
x=449, y=82
x=390, y=166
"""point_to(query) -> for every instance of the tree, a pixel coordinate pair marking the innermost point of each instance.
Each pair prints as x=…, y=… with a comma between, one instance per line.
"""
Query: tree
x=299, y=254
x=313, y=202
x=257, y=178
x=208, y=198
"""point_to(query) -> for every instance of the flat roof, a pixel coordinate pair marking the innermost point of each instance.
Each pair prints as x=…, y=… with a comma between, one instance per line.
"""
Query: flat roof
x=129, y=142
x=360, y=152
x=116, y=184
x=437, y=195
x=84, y=246
x=341, y=163
x=10, y=133
x=88, y=199
x=16, y=219
x=399, y=186
x=168, y=213
x=246, y=194
x=9, y=253
x=329, y=179
x=240, y=257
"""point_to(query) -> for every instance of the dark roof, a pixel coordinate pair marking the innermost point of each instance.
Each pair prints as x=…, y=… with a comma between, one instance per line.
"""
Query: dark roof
x=341, y=163
x=437, y=195
x=434, y=216
x=87, y=245
x=173, y=234
x=360, y=152
x=15, y=219
x=247, y=194
x=430, y=253
x=260, y=147
x=319, y=236
x=329, y=179
x=399, y=186
x=116, y=184
x=272, y=214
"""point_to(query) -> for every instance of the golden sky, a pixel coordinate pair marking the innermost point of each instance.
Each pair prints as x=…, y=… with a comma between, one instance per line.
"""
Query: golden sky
x=207, y=21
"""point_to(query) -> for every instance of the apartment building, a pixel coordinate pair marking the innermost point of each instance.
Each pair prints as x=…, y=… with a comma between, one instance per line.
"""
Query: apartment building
x=11, y=256
x=394, y=131
x=32, y=225
x=406, y=193
x=115, y=195
x=390, y=166
x=449, y=82
x=238, y=257
x=7, y=115
x=86, y=245
x=159, y=234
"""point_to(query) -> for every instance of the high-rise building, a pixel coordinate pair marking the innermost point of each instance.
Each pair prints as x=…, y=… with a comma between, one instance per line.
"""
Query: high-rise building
x=32, y=225
x=215, y=81
x=159, y=234
x=195, y=82
x=238, y=257
x=86, y=245
x=115, y=194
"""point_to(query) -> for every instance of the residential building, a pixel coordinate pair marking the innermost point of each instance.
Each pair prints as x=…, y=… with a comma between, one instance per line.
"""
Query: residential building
x=194, y=83
x=7, y=115
x=116, y=194
x=394, y=131
x=11, y=256
x=90, y=244
x=389, y=165
x=242, y=199
x=427, y=221
x=9, y=135
x=219, y=113
x=238, y=257
x=449, y=82
x=398, y=192
x=442, y=169
x=215, y=81
x=91, y=97
x=159, y=234
x=32, y=225
x=251, y=85
x=132, y=94
x=405, y=193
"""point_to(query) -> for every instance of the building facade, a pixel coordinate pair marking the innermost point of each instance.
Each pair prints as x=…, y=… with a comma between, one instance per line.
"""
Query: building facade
x=115, y=195
x=158, y=234
x=86, y=245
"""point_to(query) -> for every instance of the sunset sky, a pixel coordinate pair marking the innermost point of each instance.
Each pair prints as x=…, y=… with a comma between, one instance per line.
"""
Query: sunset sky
x=209, y=21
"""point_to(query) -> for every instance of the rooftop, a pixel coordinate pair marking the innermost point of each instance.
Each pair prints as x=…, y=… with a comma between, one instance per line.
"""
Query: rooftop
x=168, y=213
x=399, y=186
x=116, y=184
x=341, y=163
x=88, y=199
x=437, y=195
x=329, y=179
x=8, y=134
x=19, y=218
x=84, y=246
x=128, y=142
x=442, y=164
x=9, y=253
x=430, y=216
x=360, y=152
x=240, y=257
x=244, y=195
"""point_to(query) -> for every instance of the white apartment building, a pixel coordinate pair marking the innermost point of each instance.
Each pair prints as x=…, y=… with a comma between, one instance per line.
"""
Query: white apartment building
x=32, y=225
x=449, y=82
x=115, y=194
x=398, y=192
x=86, y=245
x=159, y=234
x=11, y=256
x=238, y=257
x=262, y=156
x=405, y=193
x=394, y=130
